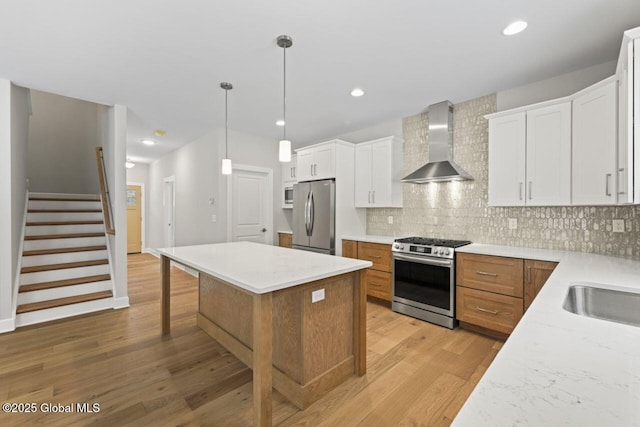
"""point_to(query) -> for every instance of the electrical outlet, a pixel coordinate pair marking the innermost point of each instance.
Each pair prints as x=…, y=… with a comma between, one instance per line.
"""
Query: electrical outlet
x=390, y=219
x=513, y=223
x=618, y=225
x=317, y=295
x=214, y=218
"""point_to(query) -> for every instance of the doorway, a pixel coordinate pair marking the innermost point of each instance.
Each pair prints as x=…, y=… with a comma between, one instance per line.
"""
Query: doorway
x=169, y=201
x=135, y=217
x=250, y=204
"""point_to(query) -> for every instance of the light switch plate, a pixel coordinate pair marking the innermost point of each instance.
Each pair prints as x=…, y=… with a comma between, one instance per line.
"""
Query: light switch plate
x=513, y=223
x=390, y=219
x=214, y=218
x=618, y=225
x=317, y=295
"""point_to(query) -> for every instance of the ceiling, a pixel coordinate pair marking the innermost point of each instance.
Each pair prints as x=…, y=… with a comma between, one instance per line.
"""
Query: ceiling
x=165, y=60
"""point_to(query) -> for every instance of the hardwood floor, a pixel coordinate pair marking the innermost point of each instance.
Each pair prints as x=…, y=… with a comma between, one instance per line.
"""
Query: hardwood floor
x=418, y=373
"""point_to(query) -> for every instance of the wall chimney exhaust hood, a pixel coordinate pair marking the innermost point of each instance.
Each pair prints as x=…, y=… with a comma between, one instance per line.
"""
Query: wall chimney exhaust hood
x=441, y=166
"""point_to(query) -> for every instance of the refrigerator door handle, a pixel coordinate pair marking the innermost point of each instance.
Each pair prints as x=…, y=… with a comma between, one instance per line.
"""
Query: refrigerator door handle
x=306, y=214
x=311, y=214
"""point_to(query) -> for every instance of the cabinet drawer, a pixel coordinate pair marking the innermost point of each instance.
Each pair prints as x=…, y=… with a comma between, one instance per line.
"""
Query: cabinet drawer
x=378, y=284
x=378, y=254
x=492, y=311
x=350, y=249
x=490, y=273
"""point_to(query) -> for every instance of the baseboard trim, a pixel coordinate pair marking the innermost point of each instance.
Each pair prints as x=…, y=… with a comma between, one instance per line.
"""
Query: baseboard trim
x=119, y=303
x=7, y=325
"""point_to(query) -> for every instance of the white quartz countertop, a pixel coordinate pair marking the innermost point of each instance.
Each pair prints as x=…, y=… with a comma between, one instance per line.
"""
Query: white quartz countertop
x=285, y=231
x=370, y=238
x=261, y=268
x=558, y=368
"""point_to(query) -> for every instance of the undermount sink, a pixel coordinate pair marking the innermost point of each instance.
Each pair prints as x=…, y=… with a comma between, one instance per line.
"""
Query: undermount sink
x=606, y=304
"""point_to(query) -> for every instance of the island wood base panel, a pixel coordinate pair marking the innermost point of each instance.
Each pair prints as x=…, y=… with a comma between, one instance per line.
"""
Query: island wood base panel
x=313, y=343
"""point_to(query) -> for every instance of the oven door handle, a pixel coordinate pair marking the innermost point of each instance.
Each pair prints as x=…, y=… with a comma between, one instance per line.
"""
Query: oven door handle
x=423, y=260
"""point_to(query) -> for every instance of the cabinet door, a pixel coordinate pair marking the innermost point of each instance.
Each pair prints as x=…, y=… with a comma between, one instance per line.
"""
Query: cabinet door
x=382, y=174
x=350, y=249
x=324, y=162
x=289, y=170
x=549, y=156
x=594, y=147
x=625, y=129
x=304, y=165
x=363, y=153
x=536, y=275
x=507, y=146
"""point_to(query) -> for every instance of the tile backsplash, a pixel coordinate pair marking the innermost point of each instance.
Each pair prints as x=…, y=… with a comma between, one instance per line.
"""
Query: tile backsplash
x=458, y=210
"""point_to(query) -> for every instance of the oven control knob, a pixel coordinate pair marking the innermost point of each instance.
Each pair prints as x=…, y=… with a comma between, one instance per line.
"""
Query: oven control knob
x=446, y=252
x=397, y=246
x=438, y=251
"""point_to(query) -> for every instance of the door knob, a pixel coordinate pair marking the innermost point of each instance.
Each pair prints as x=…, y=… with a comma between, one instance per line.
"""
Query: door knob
x=264, y=229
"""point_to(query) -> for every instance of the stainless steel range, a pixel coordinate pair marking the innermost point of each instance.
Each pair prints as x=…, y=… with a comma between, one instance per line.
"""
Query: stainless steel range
x=424, y=279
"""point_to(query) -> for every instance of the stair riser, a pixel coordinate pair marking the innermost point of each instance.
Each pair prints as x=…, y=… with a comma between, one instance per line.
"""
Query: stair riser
x=40, y=316
x=67, y=273
x=30, y=261
x=63, y=216
x=63, y=291
x=52, y=204
x=43, y=230
x=35, y=245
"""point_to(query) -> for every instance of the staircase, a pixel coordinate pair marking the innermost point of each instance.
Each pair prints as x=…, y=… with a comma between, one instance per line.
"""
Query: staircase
x=65, y=260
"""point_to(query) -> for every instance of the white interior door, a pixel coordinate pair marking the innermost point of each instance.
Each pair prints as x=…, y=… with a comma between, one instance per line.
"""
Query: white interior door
x=251, y=202
x=169, y=212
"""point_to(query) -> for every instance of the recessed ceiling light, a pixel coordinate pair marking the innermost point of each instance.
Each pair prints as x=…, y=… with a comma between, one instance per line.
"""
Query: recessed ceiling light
x=148, y=142
x=160, y=133
x=357, y=92
x=280, y=122
x=129, y=164
x=514, y=28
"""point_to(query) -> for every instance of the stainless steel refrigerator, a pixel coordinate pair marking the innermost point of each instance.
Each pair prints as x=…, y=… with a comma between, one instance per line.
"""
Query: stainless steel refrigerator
x=314, y=212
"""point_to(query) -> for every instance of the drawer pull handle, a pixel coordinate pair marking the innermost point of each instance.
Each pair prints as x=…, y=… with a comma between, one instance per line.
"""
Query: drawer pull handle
x=484, y=310
x=375, y=256
x=484, y=273
x=375, y=283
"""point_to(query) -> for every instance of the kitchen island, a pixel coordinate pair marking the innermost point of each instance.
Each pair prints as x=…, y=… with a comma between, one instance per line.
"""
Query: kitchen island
x=559, y=368
x=297, y=318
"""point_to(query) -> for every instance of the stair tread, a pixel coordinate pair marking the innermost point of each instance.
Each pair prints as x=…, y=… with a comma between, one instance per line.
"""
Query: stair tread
x=38, y=268
x=63, y=210
x=61, y=283
x=64, y=250
x=63, y=236
x=62, y=199
x=42, y=305
x=37, y=223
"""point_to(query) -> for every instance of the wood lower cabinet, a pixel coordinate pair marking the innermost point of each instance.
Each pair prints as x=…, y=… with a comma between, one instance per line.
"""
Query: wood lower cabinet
x=536, y=275
x=488, y=310
x=285, y=240
x=492, y=292
x=378, y=277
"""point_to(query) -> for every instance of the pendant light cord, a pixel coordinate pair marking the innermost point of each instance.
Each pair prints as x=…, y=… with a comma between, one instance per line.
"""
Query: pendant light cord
x=226, y=124
x=284, y=95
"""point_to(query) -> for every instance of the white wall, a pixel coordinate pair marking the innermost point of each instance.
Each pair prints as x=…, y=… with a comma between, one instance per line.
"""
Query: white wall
x=196, y=167
x=555, y=87
x=14, y=127
x=62, y=139
x=114, y=133
x=389, y=128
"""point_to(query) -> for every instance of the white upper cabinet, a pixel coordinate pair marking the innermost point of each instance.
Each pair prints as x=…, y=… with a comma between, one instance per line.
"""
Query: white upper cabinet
x=378, y=170
x=507, y=160
x=628, y=76
x=289, y=170
x=594, y=145
x=530, y=157
x=549, y=155
x=316, y=162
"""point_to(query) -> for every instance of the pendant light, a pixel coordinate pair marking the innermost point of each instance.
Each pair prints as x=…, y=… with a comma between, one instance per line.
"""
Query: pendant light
x=226, y=162
x=284, y=152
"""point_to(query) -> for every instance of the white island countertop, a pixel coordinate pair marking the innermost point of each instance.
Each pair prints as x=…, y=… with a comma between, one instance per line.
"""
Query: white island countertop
x=558, y=368
x=261, y=268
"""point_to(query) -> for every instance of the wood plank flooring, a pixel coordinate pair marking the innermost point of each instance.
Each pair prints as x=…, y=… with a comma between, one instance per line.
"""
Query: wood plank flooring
x=418, y=373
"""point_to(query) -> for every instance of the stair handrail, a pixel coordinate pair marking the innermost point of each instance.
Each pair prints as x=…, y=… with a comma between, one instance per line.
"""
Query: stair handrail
x=104, y=192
